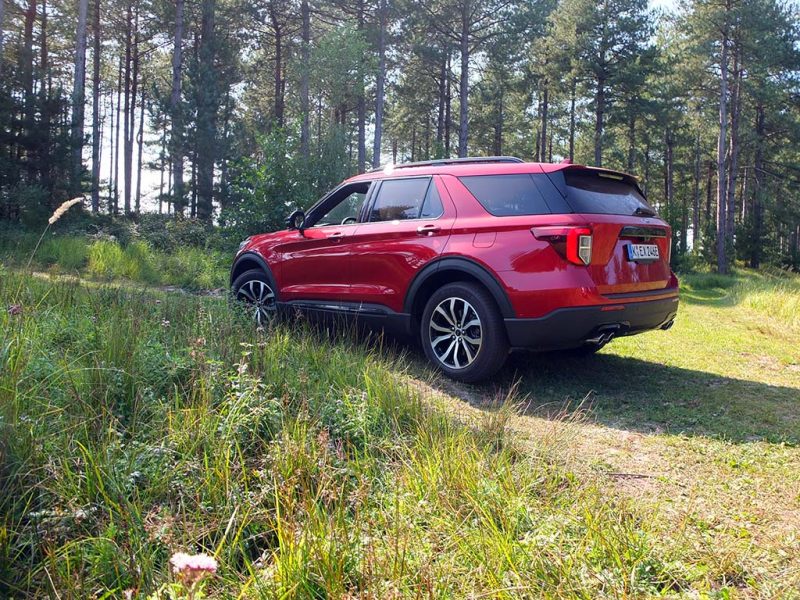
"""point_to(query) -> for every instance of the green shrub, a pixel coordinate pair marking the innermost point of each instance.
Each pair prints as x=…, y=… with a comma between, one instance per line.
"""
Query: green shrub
x=709, y=281
x=68, y=252
x=136, y=261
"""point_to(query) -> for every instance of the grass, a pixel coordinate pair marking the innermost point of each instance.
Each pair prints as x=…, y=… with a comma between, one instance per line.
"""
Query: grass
x=702, y=424
x=136, y=423
x=188, y=267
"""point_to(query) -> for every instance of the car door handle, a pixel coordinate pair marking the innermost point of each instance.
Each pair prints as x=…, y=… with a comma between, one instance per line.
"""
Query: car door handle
x=427, y=229
x=336, y=236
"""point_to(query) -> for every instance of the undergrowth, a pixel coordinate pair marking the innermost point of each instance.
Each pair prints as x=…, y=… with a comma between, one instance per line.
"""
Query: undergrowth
x=135, y=424
x=139, y=261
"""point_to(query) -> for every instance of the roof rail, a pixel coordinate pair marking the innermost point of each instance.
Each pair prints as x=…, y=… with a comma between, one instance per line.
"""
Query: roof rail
x=454, y=161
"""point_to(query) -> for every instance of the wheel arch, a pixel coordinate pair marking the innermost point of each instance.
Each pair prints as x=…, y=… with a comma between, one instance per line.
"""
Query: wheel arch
x=449, y=270
x=247, y=261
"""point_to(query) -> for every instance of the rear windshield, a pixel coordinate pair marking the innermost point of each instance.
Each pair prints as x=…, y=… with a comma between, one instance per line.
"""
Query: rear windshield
x=596, y=192
x=509, y=195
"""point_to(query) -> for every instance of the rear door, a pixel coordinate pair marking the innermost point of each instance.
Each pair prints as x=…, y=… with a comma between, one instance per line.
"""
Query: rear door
x=630, y=243
x=406, y=224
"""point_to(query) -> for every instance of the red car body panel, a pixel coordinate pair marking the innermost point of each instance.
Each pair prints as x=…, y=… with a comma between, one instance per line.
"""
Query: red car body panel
x=376, y=263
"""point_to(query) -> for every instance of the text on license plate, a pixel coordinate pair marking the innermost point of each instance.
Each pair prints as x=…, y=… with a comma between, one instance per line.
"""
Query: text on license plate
x=642, y=252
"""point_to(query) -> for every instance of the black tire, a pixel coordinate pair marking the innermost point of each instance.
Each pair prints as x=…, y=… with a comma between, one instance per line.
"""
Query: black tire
x=256, y=288
x=454, y=347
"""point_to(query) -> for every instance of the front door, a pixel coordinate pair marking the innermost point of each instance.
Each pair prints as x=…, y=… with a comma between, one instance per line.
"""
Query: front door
x=407, y=224
x=315, y=264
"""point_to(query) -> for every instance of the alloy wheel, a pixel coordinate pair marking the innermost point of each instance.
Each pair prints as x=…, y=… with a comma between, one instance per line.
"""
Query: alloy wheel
x=455, y=333
x=261, y=298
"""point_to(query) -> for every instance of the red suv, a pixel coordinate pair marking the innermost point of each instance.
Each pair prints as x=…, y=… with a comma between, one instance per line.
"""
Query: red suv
x=473, y=257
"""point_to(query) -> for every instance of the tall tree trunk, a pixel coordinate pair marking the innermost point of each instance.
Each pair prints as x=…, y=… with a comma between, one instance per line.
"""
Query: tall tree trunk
x=277, y=28
x=305, y=14
x=758, y=193
x=361, y=103
x=499, y=123
x=572, y=120
x=131, y=62
x=116, y=141
x=709, y=190
x=2, y=21
x=44, y=149
x=140, y=141
x=696, y=194
x=111, y=151
x=26, y=60
x=176, y=139
x=463, y=89
x=722, y=151
x=207, y=115
x=631, y=143
x=733, y=150
x=379, y=84
x=448, y=103
x=669, y=179
x=600, y=108
x=95, y=109
x=545, y=106
x=440, y=108
x=162, y=157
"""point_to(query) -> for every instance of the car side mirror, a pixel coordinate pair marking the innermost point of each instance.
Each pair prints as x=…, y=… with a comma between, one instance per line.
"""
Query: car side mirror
x=297, y=220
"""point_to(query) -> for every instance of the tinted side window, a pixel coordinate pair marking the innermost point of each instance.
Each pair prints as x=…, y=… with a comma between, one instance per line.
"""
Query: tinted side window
x=508, y=195
x=432, y=207
x=399, y=199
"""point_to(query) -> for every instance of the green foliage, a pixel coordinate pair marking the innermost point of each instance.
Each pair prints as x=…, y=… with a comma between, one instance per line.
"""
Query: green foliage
x=302, y=463
x=264, y=188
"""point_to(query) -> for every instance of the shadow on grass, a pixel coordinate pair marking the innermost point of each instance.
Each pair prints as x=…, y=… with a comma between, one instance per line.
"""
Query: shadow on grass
x=638, y=395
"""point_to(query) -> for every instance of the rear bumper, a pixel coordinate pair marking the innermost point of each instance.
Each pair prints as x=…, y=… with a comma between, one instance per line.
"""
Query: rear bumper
x=575, y=326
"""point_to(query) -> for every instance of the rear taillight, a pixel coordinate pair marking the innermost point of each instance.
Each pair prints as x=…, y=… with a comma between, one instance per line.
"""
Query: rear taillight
x=579, y=246
x=573, y=243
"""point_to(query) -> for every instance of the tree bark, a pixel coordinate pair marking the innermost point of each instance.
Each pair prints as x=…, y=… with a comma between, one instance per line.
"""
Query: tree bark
x=722, y=151
x=463, y=89
x=440, y=108
x=572, y=120
x=95, y=109
x=448, y=103
x=116, y=141
x=379, y=85
x=733, y=150
x=600, y=108
x=129, y=110
x=2, y=21
x=758, y=193
x=632, y=143
x=696, y=194
x=206, y=115
x=26, y=60
x=361, y=102
x=305, y=122
x=277, y=28
x=497, y=149
x=111, y=151
x=140, y=141
x=545, y=107
x=669, y=185
x=176, y=140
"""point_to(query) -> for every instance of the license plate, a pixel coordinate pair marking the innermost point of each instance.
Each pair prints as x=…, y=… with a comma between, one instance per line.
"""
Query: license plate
x=642, y=252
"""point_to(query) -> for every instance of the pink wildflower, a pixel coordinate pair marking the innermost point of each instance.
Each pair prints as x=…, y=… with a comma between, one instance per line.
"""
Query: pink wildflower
x=15, y=309
x=192, y=567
